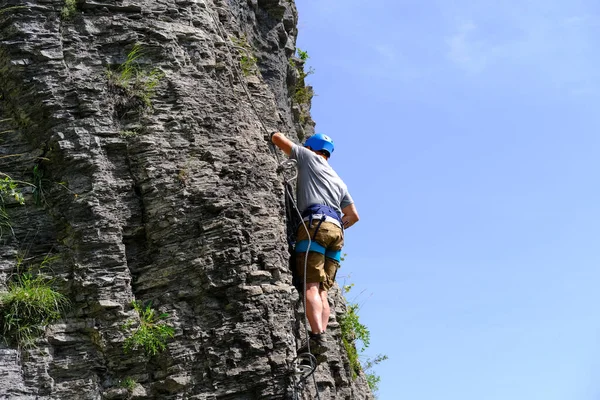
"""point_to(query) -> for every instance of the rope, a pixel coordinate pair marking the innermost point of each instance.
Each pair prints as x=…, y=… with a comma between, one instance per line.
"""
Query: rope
x=304, y=294
x=238, y=73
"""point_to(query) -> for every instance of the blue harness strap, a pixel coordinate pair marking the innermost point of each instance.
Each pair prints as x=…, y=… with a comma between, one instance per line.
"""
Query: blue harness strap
x=302, y=246
x=334, y=254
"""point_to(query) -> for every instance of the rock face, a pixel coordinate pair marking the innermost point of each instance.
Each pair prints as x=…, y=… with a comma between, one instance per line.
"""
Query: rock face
x=156, y=185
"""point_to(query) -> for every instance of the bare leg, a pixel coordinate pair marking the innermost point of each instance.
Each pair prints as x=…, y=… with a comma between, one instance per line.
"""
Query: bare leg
x=314, y=307
x=326, y=309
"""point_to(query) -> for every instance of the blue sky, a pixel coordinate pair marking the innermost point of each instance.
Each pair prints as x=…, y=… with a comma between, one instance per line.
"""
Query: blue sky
x=467, y=132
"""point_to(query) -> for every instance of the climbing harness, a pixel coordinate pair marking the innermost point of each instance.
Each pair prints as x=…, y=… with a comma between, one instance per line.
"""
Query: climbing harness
x=324, y=214
x=305, y=364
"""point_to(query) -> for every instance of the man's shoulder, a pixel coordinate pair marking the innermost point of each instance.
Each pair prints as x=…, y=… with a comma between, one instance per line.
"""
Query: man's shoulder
x=297, y=151
x=303, y=155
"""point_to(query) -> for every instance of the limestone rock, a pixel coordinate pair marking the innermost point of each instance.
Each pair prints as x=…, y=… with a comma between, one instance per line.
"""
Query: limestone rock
x=160, y=190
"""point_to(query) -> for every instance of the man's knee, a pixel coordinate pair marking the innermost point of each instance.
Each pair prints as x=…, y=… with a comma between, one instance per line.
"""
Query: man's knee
x=312, y=288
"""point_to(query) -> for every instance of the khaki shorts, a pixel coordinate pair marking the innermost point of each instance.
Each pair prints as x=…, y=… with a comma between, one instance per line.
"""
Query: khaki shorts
x=320, y=268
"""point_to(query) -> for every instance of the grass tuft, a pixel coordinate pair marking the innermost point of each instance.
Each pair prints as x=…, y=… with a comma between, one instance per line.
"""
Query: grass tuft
x=28, y=307
x=135, y=81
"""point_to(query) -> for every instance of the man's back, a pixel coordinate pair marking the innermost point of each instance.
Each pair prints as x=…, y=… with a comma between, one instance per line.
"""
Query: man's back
x=318, y=183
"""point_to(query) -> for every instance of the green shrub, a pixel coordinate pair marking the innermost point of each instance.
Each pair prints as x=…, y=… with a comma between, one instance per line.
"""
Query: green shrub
x=303, y=94
x=29, y=306
x=151, y=334
x=352, y=331
x=128, y=383
x=69, y=9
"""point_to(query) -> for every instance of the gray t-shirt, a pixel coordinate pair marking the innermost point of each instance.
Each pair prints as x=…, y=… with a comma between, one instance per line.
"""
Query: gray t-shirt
x=318, y=183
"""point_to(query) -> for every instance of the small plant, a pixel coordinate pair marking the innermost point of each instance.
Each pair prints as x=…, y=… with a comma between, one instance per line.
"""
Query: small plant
x=248, y=63
x=38, y=183
x=69, y=9
x=247, y=59
x=303, y=55
x=8, y=187
x=129, y=384
x=29, y=305
x=151, y=334
x=135, y=81
x=372, y=378
x=129, y=69
x=183, y=176
x=303, y=94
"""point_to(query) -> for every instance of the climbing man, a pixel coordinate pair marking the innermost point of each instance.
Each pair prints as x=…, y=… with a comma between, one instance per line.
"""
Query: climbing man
x=327, y=209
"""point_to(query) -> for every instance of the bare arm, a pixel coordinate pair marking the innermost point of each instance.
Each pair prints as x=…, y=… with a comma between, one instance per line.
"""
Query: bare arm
x=350, y=216
x=282, y=142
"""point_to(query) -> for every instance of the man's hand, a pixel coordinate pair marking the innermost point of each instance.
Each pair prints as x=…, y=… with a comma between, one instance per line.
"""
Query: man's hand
x=350, y=216
x=282, y=142
x=269, y=136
